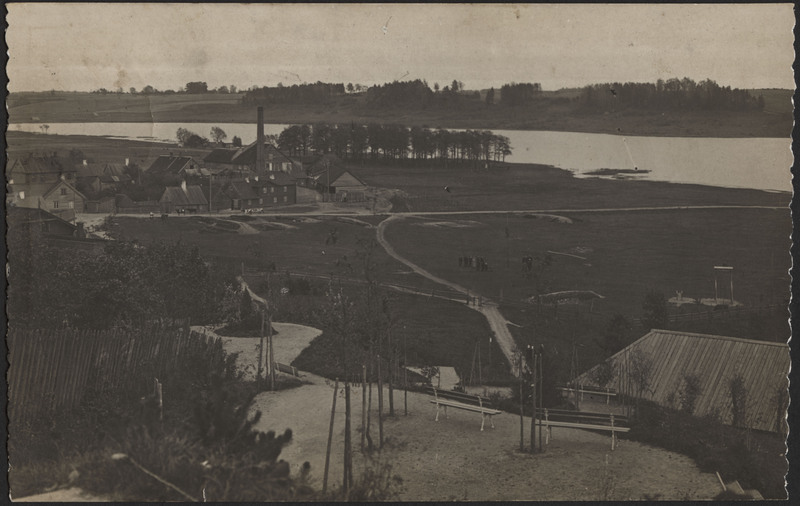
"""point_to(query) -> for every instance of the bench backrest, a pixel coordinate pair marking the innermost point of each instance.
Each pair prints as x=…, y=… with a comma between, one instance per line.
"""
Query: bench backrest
x=561, y=415
x=452, y=395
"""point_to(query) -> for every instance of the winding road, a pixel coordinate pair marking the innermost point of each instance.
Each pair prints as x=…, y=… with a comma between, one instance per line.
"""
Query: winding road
x=488, y=308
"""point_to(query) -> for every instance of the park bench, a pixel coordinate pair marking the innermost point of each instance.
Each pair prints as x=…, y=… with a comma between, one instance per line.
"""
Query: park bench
x=550, y=418
x=286, y=369
x=607, y=393
x=458, y=400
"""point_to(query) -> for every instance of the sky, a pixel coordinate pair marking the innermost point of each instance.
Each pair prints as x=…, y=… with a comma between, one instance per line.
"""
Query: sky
x=84, y=47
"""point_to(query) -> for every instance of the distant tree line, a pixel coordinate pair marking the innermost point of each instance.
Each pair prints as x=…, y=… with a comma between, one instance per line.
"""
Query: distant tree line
x=670, y=94
x=516, y=94
x=393, y=142
x=315, y=93
x=194, y=87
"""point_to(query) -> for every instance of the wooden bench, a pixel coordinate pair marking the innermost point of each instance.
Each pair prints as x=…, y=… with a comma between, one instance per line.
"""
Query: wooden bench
x=286, y=369
x=458, y=400
x=607, y=393
x=582, y=420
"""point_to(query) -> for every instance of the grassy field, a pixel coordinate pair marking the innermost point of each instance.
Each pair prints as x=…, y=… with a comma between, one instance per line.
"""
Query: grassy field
x=775, y=121
x=624, y=256
x=95, y=149
x=525, y=187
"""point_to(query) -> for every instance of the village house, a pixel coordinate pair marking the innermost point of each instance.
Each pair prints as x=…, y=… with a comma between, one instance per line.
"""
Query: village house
x=329, y=176
x=30, y=225
x=276, y=189
x=45, y=182
x=183, y=198
x=169, y=164
x=97, y=178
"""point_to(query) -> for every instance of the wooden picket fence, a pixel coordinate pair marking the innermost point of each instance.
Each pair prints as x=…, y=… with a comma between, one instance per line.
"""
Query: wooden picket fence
x=54, y=370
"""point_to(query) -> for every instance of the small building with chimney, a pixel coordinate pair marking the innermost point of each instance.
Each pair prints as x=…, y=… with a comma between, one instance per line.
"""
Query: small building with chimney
x=183, y=198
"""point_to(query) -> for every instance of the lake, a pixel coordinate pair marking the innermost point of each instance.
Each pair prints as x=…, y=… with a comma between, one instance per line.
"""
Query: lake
x=760, y=163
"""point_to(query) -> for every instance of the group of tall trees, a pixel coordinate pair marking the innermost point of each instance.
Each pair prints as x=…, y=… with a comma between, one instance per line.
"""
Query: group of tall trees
x=670, y=94
x=393, y=142
x=315, y=93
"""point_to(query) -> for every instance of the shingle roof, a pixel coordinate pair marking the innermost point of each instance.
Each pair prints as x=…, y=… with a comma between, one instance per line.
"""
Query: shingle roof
x=193, y=196
x=58, y=185
x=714, y=360
x=247, y=154
x=42, y=164
x=220, y=156
x=28, y=215
x=169, y=164
x=241, y=190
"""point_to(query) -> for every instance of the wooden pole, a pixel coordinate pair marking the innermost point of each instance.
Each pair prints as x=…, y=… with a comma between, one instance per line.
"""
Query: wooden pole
x=521, y=410
x=405, y=374
x=380, y=405
x=348, y=460
x=541, y=399
x=272, y=356
x=330, y=437
x=534, y=386
x=363, y=405
x=261, y=351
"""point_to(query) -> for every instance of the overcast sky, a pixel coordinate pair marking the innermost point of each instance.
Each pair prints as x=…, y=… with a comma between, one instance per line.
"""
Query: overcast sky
x=89, y=46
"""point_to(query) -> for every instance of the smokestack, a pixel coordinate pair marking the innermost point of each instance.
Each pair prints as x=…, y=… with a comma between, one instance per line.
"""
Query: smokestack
x=260, y=141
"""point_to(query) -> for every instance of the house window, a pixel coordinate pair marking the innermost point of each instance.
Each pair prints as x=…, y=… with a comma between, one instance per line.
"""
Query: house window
x=274, y=200
x=55, y=204
x=63, y=191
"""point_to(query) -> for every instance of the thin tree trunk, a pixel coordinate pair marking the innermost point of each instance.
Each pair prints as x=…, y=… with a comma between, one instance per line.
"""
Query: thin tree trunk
x=380, y=405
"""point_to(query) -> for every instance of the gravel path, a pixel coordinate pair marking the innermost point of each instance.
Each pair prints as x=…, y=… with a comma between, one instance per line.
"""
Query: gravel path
x=487, y=308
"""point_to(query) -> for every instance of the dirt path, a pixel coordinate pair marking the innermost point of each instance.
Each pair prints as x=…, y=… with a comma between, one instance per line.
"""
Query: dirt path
x=487, y=307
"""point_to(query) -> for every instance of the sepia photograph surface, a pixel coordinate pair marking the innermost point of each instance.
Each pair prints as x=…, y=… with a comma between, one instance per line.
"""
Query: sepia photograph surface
x=412, y=252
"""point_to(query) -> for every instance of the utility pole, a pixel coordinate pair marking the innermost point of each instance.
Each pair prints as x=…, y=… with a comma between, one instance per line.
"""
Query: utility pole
x=521, y=406
x=541, y=393
x=532, y=356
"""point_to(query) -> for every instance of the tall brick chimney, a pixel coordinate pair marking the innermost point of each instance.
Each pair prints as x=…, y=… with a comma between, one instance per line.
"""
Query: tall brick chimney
x=260, y=141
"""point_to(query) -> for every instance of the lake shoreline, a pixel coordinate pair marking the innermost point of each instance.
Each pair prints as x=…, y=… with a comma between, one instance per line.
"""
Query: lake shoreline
x=100, y=149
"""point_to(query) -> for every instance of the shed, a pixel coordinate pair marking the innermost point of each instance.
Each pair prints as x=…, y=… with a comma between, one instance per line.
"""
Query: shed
x=714, y=361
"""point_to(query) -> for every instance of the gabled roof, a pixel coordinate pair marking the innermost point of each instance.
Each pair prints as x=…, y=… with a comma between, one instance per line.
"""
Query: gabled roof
x=327, y=176
x=58, y=185
x=241, y=190
x=17, y=216
x=196, y=172
x=221, y=156
x=41, y=165
x=715, y=361
x=193, y=196
x=170, y=164
x=247, y=154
